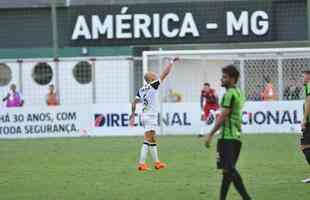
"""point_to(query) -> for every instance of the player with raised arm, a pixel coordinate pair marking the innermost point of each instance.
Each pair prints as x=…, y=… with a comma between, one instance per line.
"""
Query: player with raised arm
x=229, y=124
x=148, y=96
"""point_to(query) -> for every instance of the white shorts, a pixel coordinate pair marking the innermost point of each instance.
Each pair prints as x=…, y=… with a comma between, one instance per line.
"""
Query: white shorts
x=150, y=121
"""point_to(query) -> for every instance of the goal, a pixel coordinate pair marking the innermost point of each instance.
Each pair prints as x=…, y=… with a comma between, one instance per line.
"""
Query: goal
x=281, y=66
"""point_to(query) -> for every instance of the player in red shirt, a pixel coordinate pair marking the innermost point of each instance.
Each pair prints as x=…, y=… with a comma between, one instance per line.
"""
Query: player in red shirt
x=208, y=104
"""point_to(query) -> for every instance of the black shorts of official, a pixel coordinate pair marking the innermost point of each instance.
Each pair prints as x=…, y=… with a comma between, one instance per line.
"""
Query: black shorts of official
x=305, y=138
x=228, y=151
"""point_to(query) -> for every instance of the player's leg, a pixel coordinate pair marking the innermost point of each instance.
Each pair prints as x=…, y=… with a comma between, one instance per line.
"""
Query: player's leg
x=154, y=151
x=231, y=150
x=153, y=146
x=148, y=123
x=305, y=148
x=236, y=178
x=204, y=120
x=306, y=152
x=202, y=128
x=202, y=125
x=143, y=153
x=226, y=180
x=305, y=143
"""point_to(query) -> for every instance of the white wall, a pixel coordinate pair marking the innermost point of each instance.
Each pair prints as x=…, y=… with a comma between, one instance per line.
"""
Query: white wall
x=71, y=91
x=4, y=89
x=113, y=81
x=34, y=94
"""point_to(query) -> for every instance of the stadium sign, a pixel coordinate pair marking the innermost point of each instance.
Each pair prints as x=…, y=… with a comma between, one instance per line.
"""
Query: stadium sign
x=113, y=119
x=122, y=119
x=52, y=122
x=142, y=25
x=197, y=22
x=135, y=26
x=158, y=23
x=271, y=117
x=258, y=23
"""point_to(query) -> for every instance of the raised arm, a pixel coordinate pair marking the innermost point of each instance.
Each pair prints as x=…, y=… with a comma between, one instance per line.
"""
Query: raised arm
x=168, y=68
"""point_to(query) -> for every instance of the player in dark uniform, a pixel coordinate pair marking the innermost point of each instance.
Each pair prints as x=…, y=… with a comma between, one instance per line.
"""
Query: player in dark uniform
x=229, y=143
x=305, y=139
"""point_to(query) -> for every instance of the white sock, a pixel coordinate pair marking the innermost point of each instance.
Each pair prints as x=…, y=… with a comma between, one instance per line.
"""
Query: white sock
x=154, y=153
x=143, y=152
x=202, y=131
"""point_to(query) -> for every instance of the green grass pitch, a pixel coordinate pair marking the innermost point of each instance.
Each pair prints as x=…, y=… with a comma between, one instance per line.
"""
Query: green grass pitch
x=105, y=169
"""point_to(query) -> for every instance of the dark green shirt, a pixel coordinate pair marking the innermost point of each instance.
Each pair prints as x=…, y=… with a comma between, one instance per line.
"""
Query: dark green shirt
x=231, y=127
x=307, y=93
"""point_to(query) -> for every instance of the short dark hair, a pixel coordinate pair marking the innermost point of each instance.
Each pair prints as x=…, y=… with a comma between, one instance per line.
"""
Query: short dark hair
x=206, y=84
x=232, y=72
x=306, y=71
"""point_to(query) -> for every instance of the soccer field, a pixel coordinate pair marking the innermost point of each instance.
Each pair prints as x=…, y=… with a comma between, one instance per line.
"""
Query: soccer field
x=105, y=169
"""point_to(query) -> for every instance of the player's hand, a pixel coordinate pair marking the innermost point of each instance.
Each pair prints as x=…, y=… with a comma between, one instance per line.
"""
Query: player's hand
x=301, y=147
x=303, y=126
x=174, y=59
x=203, y=116
x=208, y=141
x=132, y=120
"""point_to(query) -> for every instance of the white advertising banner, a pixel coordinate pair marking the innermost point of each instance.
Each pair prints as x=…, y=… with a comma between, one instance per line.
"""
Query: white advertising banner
x=113, y=120
x=272, y=117
x=34, y=122
x=185, y=118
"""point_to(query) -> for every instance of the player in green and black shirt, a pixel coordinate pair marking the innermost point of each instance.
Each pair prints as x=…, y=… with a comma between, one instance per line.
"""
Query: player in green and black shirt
x=229, y=123
x=305, y=139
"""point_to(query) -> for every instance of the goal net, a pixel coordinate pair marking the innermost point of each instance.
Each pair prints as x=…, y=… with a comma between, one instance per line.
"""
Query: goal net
x=282, y=67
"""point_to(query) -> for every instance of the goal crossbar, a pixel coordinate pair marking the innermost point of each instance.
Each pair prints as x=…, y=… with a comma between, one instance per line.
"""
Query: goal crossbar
x=229, y=54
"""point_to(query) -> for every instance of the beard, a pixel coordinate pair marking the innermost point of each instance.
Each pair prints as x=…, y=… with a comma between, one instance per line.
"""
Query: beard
x=224, y=85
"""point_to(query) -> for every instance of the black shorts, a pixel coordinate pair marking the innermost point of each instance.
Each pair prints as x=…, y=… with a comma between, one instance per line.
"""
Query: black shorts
x=228, y=153
x=305, y=138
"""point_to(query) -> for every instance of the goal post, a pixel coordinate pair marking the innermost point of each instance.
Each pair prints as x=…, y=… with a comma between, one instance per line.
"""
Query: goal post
x=281, y=66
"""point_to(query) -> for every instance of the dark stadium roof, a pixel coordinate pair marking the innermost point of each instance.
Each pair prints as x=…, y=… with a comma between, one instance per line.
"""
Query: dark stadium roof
x=28, y=3
x=46, y=3
x=100, y=2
